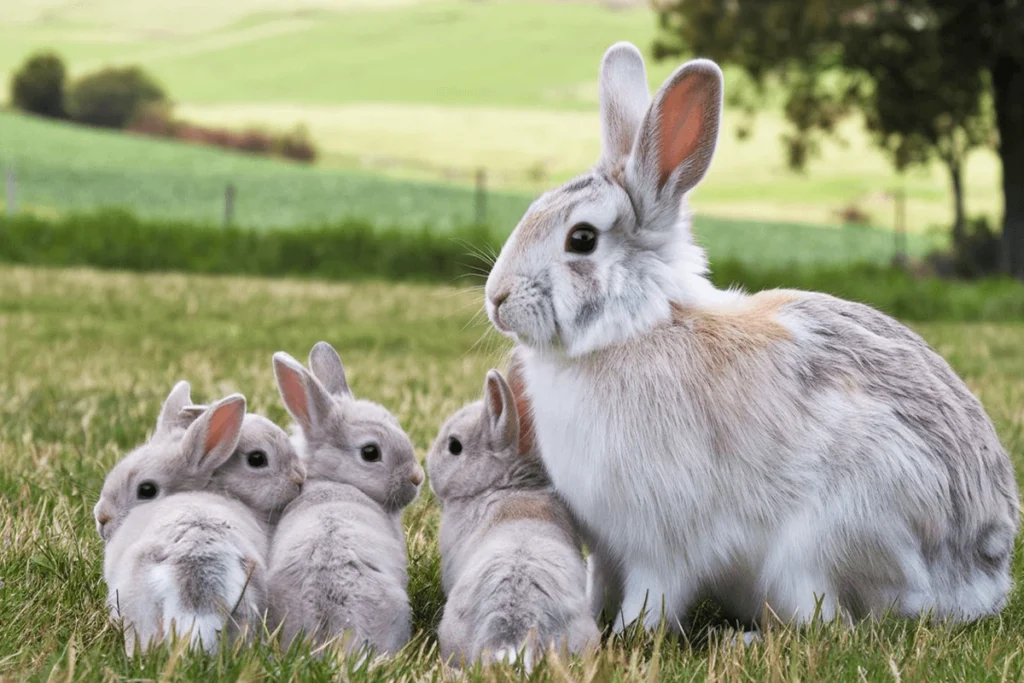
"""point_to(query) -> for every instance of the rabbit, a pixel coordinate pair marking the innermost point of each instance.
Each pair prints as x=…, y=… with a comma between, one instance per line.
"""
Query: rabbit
x=786, y=449
x=512, y=565
x=337, y=567
x=180, y=547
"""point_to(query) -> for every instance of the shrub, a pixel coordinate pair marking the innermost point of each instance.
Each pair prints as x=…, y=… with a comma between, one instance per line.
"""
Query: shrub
x=113, y=97
x=296, y=145
x=977, y=255
x=38, y=86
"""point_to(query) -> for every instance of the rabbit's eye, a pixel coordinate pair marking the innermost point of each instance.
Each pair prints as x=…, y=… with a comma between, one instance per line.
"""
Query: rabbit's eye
x=370, y=452
x=147, y=490
x=256, y=459
x=454, y=446
x=582, y=239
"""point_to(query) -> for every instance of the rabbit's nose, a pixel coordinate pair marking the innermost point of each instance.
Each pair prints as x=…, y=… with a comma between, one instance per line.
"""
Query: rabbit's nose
x=417, y=476
x=298, y=475
x=102, y=518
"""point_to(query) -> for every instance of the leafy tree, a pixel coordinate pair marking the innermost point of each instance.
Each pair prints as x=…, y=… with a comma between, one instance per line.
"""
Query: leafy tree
x=925, y=73
x=38, y=85
x=112, y=97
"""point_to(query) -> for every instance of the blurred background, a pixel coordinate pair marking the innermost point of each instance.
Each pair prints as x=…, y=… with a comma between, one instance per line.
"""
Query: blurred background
x=856, y=131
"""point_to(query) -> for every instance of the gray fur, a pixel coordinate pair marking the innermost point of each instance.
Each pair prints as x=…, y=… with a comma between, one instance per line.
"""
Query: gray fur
x=338, y=557
x=511, y=562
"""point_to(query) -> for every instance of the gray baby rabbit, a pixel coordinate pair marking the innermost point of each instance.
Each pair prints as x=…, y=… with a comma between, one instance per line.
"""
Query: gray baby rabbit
x=338, y=556
x=184, y=531
x=511, y=562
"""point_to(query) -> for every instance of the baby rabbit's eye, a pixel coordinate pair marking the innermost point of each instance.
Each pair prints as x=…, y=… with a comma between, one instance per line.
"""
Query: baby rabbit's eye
x=147, y=490
x=370, y=452
x=454, y=446
x=582, y=239
x=256, y=459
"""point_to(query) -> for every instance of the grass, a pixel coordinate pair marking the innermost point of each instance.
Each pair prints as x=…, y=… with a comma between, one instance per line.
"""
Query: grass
x=439, y=89
x=88, y=357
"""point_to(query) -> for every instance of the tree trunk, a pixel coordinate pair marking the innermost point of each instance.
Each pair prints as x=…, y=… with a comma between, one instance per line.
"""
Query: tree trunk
x=1008, y=84
x=956, y=176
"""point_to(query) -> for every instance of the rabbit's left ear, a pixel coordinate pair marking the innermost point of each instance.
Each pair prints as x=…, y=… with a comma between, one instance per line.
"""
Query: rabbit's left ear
x=170, y=411
x=624, y=99
x=677, y=138
x=500, y=415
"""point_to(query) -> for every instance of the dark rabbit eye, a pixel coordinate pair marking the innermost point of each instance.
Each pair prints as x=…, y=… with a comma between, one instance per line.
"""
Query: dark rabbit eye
x=370, y=452
x=256, y=459
x=582, y=239
x=147, y=490
x=454, y=446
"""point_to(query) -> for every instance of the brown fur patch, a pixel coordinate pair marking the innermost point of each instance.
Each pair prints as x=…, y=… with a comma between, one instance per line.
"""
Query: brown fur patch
x=517, y=383
x=523, y=507
x=724, y=333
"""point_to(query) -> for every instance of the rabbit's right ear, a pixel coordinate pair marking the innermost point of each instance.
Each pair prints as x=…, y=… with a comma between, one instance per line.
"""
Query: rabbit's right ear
x=500, y=414
x=306, y=399
x=170, y=416
x=213, y=437
x=624, y=100
x=326, y=365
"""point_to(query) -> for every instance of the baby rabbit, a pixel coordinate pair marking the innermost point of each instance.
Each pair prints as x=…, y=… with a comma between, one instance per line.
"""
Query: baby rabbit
x=785, y=447
x=185, y=544
x=337, y=566
x=511, y=562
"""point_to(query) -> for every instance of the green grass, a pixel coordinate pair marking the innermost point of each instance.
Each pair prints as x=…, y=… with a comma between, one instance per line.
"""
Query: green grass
x=87, y=358
x=438, y=89
x=61, y=167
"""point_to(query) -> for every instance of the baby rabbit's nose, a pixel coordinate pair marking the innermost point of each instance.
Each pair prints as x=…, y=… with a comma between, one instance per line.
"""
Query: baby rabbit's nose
x=298, y=475
x=103, y=518
x=417, y=476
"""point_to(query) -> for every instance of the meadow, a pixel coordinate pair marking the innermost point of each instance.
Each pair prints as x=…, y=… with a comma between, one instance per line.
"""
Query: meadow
x=88, y=357
x=436, y=89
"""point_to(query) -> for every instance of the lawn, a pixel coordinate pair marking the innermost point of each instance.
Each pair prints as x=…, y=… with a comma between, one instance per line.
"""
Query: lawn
x=438, y=89
x=88, y=357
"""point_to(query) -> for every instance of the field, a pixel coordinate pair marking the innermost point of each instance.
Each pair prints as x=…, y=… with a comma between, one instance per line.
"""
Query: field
x=88, y=358
x=435, y=90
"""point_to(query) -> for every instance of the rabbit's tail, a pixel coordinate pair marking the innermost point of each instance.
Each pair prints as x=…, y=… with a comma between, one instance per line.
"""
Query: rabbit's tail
x=512, y=654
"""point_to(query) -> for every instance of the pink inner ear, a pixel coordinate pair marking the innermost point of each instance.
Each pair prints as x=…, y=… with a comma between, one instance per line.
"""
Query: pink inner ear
x=682, y=122
x=225, y=423
x=294, y=394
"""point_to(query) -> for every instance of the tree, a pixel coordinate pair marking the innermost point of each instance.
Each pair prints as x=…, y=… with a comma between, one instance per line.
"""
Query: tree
x=38, y=86
x=923, y=72
x=112, y=97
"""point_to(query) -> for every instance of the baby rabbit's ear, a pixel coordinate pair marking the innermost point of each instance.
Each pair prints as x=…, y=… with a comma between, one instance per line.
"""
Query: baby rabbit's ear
x=170, y=412
x=304, y=396
x=624, y=100
x=213, y=437
x=189, y=414
x=500, y=415
x=677, y=138
x=326, y=365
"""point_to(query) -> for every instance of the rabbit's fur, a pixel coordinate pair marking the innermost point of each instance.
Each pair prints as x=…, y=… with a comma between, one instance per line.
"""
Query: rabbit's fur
x=188, y=551
x=777, y=447
x=338, y=556
x=512, y=566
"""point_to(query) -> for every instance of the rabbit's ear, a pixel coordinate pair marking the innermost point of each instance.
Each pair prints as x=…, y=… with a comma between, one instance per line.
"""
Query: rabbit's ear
x=326, y=365
x=500, y=415
x=170, y=411
x=677, y=137
x=624, y=100
x=304, y=396
x=213, y=437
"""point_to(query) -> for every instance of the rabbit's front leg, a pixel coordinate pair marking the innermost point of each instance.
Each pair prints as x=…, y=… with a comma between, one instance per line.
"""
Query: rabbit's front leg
x=646, y=594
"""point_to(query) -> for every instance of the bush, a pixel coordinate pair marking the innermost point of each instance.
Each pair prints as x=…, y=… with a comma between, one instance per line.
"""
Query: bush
x=354, y=249
x=38, y=86
x=113, y=97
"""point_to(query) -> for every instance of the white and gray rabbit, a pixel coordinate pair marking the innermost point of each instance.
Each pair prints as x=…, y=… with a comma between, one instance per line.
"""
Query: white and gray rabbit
x=782, y=447
x=338, y=565
x=512, y=565
x=185, y=530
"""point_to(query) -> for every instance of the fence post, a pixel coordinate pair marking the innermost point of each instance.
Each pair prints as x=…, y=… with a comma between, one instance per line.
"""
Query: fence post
x=229, y=204
x=481, y=197
x=11, y=193
x=900, y=236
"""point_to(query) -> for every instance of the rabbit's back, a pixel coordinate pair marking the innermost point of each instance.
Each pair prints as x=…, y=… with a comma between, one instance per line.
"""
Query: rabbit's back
x=337, y=566
x=521, y=586
x=193, y=559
